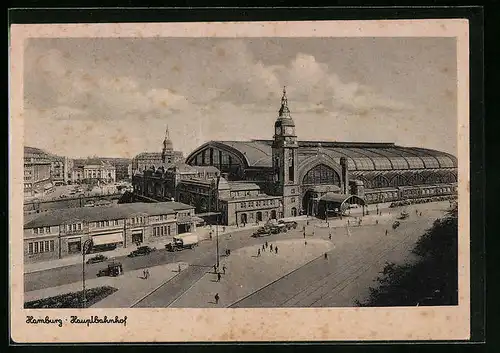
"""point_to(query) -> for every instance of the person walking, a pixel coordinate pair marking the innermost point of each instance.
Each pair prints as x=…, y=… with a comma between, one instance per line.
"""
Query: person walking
x=263, y=247
x=326, y=256
x=144, y=273
x=216, y=298
x=271, y=247
x=267, y=244
x=276, y=249
x=330, y=236
x=258, y=252
x=305, y=243
x=224, y=269
x=376, y=221
x=386, y=232
x=179, y=268
x=218, y=276
x=304, y=234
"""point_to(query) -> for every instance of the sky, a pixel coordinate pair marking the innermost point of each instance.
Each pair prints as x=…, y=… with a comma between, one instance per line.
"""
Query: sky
x=114, y=97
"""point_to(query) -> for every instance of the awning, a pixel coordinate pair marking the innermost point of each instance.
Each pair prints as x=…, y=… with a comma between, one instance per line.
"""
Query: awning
x=198, y=220
x=184, y=220
x=107, y=239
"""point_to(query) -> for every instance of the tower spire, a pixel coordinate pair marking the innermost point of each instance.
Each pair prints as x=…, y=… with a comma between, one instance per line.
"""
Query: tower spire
x=284, y=111
x=167, y=135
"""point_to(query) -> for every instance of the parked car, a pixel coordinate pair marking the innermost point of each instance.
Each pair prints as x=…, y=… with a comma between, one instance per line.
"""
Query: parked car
x=141, y=251
x=403, y=215
x=395, y=225
x=113, y=270
x=96, y=259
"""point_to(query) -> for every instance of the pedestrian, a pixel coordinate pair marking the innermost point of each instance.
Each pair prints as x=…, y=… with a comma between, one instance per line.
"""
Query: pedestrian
x=258, y=252
x=263, y=247
x=313, y=232
x=376, y=221
x=215, y=268
x=304, y=234
x=224, y=269
x=179, y=268
x=276, y=249
x=307, y=222
x=218, y=276
x=305, y=243
x=386, y=232
x=267, y=244
x=271, y=247
x=347, y=222
x=216, y=298
x=147, y=273
x=210, y=235
x=420, y=213
x=326, y=256
x=330, y=236
x=144, y=273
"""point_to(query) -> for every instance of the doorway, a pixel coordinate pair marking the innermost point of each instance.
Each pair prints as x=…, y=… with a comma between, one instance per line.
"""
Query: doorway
x=243, y=218
x=273, y=214
x=259, y=216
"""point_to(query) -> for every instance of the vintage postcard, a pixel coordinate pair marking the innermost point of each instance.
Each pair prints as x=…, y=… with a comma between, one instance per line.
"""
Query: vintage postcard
x=260, y=181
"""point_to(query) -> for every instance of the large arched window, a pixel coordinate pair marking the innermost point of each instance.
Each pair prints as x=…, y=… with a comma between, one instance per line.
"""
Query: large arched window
x=321, y=174
x=433, y=178
x=449, y=177
x=379, y=182
x=399, y=180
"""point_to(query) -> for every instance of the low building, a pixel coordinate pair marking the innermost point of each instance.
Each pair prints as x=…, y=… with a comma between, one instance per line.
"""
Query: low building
x=61, y=233
x=93, y=170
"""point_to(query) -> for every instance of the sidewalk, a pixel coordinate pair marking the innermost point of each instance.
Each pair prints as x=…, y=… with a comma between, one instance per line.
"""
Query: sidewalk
x=131, y=286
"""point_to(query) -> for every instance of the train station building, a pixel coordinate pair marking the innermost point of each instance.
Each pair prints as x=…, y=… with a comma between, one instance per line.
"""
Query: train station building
x=286, y=177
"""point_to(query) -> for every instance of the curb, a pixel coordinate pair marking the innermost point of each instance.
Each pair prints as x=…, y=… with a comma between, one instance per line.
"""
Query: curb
x=155, y=289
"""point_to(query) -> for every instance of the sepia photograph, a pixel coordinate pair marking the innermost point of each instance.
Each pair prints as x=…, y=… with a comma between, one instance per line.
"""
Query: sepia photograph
x=176, y=170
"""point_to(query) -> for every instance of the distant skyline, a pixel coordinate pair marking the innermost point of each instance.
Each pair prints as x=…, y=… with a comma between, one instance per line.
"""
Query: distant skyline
x=115, y=97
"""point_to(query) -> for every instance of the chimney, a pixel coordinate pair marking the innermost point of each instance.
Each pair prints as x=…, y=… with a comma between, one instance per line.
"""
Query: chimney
x=345, y=175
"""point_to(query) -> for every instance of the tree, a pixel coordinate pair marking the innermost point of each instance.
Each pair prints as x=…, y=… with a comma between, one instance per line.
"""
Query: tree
x=432, y=279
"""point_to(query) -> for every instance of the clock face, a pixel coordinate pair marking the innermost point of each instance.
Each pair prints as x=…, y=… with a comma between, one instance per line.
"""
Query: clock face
x=278, y=130
x=289, y=130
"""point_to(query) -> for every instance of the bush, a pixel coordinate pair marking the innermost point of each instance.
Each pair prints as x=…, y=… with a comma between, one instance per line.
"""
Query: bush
x=72, y=300
x=432, y=279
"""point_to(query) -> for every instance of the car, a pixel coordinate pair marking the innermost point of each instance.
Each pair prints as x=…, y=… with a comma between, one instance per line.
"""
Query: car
x=288, y=224
x=396, y=224
x=262, y=231
x=141, y=251
x=96, y=259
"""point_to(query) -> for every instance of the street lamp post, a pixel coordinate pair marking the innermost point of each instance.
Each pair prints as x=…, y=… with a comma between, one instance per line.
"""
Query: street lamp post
x=217, y=219
x=87, y=245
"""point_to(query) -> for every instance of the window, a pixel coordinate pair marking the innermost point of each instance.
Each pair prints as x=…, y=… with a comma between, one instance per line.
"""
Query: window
x=41, y=230
x=168, y=230
x=35, y=230
x=30, y=248
x=46, y=245
x=162, y=230
x=36, y=248
x=321, y=174
x=51, y=244
x=116, y=222
x=107, y=223
x=79, y=226
x=293, y=199
x=243, y=205
x=154, y=232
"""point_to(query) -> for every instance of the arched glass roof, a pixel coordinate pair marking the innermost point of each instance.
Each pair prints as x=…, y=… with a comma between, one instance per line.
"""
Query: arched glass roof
x=360, y=156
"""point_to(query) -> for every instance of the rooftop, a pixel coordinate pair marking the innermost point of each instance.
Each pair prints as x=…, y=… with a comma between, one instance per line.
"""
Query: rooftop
x=102, y=213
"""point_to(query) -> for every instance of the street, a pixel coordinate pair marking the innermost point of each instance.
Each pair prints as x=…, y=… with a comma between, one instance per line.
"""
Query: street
x=358, y=255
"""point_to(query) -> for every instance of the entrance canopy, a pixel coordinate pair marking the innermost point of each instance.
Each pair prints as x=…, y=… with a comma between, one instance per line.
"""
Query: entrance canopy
x=107, y=239
x=342, y=198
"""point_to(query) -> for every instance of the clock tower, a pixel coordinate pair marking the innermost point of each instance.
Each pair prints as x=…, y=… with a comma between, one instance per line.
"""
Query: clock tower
x=285, y=161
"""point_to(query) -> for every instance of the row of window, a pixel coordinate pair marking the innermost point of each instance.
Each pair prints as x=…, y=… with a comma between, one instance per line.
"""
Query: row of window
x=414, y=179
x=161, y=231
x=101, y=224
x=250, y=204
x=41, y=230
x=393, y=195
x=38, y=247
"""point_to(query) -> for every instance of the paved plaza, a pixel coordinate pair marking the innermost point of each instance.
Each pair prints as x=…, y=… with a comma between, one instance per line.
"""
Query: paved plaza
x=299, y=275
